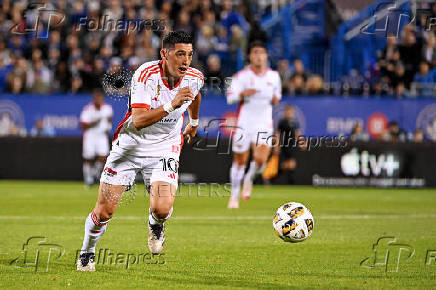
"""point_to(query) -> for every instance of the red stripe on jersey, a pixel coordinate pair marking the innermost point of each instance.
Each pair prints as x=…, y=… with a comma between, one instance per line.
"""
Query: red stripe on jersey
x=199, y=74
x=190, y=74
x=120, y=125
x=148, y=73
x=140, y=105
x=144, y=70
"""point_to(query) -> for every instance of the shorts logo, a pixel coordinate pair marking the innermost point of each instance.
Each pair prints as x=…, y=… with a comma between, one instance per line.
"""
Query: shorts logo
x=175, y=149
x=172, y=175
x=110, y=171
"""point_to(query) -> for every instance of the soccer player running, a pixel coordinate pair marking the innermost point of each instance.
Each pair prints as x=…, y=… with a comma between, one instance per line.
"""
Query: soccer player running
x=149, y=140
x=257, y=88
x=96, y=121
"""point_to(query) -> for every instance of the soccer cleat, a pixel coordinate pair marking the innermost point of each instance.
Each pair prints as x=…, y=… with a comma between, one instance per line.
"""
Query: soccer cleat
x=86, y=262
x=156, y=238
x=246, y=189
x=233, y=203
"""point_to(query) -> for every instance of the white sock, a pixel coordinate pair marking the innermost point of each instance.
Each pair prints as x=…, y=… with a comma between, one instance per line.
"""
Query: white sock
x=153, y=220
x=88, y=177
x=253, y=170
x=98, y=168
x=94, y=229
x=236, y=175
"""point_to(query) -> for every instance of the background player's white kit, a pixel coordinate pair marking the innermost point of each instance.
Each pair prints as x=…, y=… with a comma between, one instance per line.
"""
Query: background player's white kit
x=95, y=139
x=255, y=112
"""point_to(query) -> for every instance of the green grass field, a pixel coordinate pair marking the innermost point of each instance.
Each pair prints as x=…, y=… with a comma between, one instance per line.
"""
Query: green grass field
x=209, y=246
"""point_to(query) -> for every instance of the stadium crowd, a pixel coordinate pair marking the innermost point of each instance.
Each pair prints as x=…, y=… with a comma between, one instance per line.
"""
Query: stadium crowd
x=72, y=54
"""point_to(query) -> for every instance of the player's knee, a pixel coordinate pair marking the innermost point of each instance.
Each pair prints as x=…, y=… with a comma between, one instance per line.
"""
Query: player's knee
x=104, y=213
x=161, y=212
x=259, y=160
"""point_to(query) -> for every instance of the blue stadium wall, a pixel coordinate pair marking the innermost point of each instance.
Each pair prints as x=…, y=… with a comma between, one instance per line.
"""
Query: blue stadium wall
x=317, y=115
x=350, y=164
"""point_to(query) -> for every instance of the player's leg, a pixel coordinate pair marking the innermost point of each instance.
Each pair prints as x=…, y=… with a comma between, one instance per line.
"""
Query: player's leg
x=96, y=223
x=162, y=174
x=240, y=148
x=118, y=175
x=257, y=165
x=88, y=176
x=88, y=154
x=237, y=170
x=102, y=150
x=161, y=207
x=98, y=165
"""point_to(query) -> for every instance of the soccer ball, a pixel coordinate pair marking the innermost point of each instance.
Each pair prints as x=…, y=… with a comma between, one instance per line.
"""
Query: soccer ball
x=293, y=222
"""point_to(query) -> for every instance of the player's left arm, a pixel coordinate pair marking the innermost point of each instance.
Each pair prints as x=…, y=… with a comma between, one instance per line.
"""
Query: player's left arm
x=277, y=91
x=194, y=114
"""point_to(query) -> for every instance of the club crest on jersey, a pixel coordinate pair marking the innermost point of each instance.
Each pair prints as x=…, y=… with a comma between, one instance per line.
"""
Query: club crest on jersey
x=157, y=94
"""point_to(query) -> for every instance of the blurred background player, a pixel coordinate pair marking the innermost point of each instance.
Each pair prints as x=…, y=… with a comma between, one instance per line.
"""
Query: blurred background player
x=257, y=88
x=288, y=133
x=96, y=121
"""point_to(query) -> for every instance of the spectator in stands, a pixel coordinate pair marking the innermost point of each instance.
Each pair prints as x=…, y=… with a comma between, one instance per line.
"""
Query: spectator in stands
x=39, y=78
x=429, y=50
x=391, y=48
x=424, y=80
x=418, y=136
x=398, y=75
x=315, y=85
x=394, y=133
x=285, y=74
x=230, y=17
x=206, y=42
x=4, y=71
x=41, y=130
x=297, y=83
x=410, y=52
x=214, y=76
x=357, y=133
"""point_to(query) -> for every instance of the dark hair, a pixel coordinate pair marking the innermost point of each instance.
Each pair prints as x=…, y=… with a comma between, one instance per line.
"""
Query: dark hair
x=174, y=37
x=256, y=43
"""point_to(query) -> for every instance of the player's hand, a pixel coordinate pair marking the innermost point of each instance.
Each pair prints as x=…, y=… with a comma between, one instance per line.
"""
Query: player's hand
x=183, y=95
x=248, y=92
x=190, y=132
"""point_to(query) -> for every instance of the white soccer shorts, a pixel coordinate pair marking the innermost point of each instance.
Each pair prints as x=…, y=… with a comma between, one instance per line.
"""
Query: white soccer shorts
x=243, y=138
x=93, y=147
x=121, y=169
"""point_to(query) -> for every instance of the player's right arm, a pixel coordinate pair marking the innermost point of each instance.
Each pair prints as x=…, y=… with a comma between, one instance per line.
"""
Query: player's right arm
x=143, y=117
x=86, y=120
x=236, y=93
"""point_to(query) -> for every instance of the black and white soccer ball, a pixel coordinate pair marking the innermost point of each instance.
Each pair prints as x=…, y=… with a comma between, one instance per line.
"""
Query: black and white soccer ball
x=293, y=222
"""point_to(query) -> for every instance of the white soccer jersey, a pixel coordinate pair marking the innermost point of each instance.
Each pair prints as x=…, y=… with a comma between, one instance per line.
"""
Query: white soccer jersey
x=103, y=116
x=255, y=111
x=149, y=89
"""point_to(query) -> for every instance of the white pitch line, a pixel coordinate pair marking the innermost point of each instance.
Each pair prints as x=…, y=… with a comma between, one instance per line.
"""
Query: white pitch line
x=230, y=218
